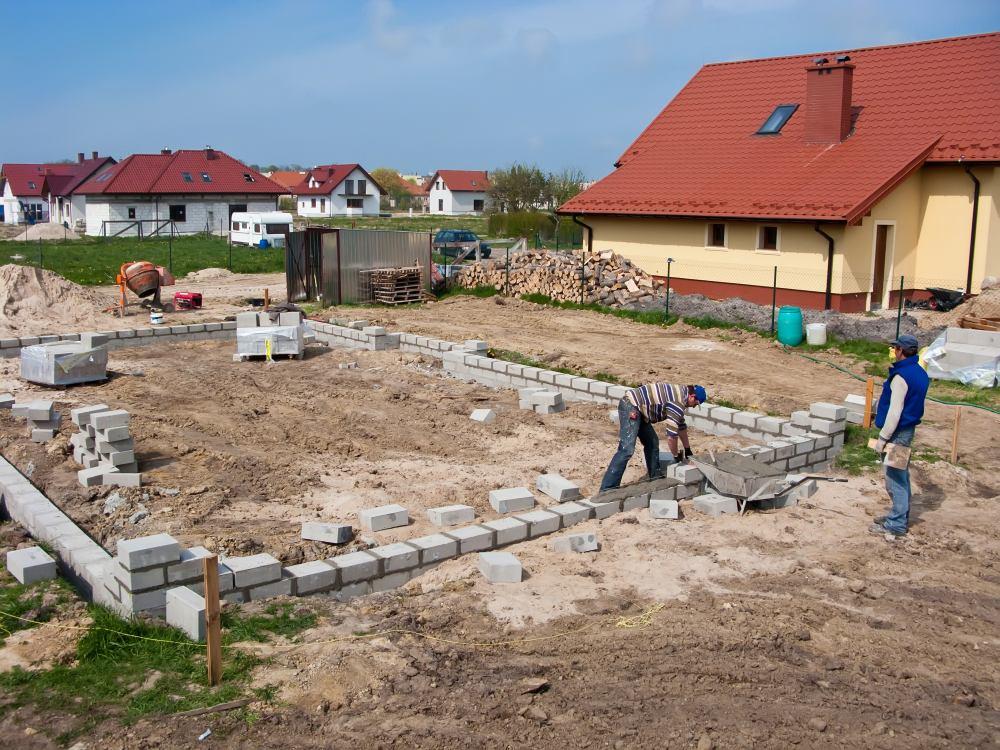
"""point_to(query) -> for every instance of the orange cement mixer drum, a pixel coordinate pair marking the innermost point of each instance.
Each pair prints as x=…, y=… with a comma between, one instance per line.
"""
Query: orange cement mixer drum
x=141, y=277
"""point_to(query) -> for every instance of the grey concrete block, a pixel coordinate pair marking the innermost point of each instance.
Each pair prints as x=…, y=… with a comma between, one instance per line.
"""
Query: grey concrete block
x=310, y=577
x=827, y=427
x=666, y=493
x=571, y=513
x=483, y=415
x=802, y=418
x=374, y=331
x=107, y=447
x=543, y=409
x=782, y=449
x=664, y=509
x=585, y=542
x=451, y=515
x=391, y=581
x=191, y=565
x=41, y=435
x=715, y=505
x=634, y=502
x=282, y=587
x=771, y=425
x=723, y=414
x=831, y=412
x=383, y=517
x=434, y=548
x=544, y=397
x=355, y=566
x=120, y=458
x=746, y=418
x=246, y=320
x=139, y=580
x=601, y=511
x=81, y=416
x=508, y=530
x=145, y=601
x=540, y=522
x=352, y=591
x=685, y=473
x=500, y=567
x=512, y=500
x=116, y=478
x=253, y=570
x=30, y=565
x=796, y=462
x=396, y=557
x=472, y=538
x=147, y=551
x=186, y=612
x=558, y=488
x=331, y=533
x=104, y=419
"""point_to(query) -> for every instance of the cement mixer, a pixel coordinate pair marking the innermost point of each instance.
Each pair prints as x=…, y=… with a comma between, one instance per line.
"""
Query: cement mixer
x=145, y=281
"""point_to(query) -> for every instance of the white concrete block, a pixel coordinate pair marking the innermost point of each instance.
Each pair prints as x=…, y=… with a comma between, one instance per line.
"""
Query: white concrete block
x=355, y=566
x=309, y=577
x=483, y=415
x=685, y=473
x=601, y=511
x=253, y=570
x=557, y=487
x=396, y=557
x=471, y=538
x=715, y=505
x=383, y=517
x=585, y=542
x=451, y=515
x=664, y=509
x=147, y=551
x=105, y=419
x=512, y=500
x=802, y=418
x=831, y=412
x=571, y=513
x=30, y=565
x=330, y=533
x=186, y=612
x=500, y=567
x=434, y=548
x=540, y=522
x=507, y=530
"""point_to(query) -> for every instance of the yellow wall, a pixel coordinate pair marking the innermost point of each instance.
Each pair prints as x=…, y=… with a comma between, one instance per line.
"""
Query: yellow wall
x=930, y=214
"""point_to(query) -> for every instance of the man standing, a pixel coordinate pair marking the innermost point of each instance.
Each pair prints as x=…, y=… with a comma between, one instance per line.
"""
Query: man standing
x=900, y=407
x=638, y=411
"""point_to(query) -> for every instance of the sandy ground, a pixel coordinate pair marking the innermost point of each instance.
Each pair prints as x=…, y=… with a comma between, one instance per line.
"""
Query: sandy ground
x=790, y=627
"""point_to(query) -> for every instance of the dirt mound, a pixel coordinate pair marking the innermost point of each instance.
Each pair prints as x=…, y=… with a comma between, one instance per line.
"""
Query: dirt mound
x=34, y=301
x=986, y=305
x=209, y=274
x=46, y=231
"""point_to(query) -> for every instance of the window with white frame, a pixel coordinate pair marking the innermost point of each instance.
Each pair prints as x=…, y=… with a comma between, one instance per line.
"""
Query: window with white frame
x=716, y=235
x=767, y=237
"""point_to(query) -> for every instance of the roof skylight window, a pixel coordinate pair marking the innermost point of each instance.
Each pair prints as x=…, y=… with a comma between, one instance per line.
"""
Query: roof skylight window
x=206, y=177
x=187, y=177
x=247, y=177
x=31, y=185
x=773, y=124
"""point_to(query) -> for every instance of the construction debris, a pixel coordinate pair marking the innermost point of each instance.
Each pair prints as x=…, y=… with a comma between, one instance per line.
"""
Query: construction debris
x=104, y=447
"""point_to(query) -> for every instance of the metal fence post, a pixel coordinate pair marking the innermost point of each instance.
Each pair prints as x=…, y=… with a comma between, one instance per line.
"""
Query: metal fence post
x=899, y=311
x=41, y=258
x=774, y=297
x=583, y=272
x=666, y=304
x=507, y=289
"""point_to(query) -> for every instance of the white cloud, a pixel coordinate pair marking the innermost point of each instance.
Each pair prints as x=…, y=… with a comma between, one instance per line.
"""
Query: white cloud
x=388, y=37
x=537, y=45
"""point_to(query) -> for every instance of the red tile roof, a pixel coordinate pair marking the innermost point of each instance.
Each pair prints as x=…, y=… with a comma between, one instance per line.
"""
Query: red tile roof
x=164, y=174
x=288, y=179
x=413, y=188
x=329, y=176
x=29, y=180
x=935, y=101
x=462, y=180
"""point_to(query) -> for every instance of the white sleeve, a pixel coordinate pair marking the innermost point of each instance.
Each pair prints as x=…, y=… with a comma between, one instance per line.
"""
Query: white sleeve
x=897, y=394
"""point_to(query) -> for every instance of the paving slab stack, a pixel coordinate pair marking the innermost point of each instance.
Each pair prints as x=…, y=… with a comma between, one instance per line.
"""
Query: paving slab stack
x=261, y=333
x=43, y=420
x=66, y=362
x=104, y=447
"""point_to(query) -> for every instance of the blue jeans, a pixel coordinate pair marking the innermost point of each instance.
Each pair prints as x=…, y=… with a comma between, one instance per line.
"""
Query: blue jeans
x=630, y=428
x=897, y=483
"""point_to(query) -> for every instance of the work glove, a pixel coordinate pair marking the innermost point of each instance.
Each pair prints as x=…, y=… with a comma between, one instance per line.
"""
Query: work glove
x=880, y=446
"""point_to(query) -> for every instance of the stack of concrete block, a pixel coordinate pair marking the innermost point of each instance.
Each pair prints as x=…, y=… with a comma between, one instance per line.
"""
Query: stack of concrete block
x=357, y=334
x=60, y=363
x=541, y=400
x=258, y=334
x=43, y=420
x=30, y=565
x=104, y=447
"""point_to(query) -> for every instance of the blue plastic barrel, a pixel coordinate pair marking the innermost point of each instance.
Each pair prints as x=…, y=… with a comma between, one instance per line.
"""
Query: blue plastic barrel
x=790, y=325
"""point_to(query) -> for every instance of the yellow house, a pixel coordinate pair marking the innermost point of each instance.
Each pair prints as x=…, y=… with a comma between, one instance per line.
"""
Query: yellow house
x=846, y=177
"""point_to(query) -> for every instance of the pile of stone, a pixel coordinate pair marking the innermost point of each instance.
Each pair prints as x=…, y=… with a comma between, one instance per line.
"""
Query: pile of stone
x=541, y=400
x=43, y=420
x=104, y=447
x=609, y=279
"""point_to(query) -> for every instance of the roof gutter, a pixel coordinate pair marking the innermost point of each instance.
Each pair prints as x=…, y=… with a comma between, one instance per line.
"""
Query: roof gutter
x=972, y=233
x=828, y=300
x=590, y=252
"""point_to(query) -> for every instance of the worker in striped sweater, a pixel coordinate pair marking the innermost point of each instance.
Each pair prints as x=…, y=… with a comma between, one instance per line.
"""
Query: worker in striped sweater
x=638, y=411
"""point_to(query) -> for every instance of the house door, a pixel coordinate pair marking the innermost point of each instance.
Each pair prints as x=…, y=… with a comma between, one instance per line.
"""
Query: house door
x=881, y=270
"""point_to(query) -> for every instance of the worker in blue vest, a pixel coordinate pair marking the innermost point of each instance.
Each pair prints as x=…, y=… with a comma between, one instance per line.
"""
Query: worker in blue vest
x=900, y=407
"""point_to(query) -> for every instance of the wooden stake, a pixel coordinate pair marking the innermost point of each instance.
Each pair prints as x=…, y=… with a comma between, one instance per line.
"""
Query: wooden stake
x=267, y=299
x=213, y=620
x=869, y=398
x=954, y=436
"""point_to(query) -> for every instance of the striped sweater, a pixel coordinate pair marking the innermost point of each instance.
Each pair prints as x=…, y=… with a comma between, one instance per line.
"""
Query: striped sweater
x=661, y=402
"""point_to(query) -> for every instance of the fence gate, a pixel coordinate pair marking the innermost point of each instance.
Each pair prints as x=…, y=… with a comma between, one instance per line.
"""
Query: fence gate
x=304, y=263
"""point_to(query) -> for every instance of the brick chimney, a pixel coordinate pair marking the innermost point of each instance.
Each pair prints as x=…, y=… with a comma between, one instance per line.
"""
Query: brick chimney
x=828, y=102
x=210, y=153
x=79, y=157
x=93, y=154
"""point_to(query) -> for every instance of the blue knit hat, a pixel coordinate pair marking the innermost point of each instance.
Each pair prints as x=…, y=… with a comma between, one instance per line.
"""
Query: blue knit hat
x=699, y=393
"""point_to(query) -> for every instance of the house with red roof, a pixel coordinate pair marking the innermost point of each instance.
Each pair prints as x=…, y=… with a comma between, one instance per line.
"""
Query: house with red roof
x=454, y=192
x=849, y=175
x=287, y=179
x=42, y=192
x=180, y=192
x=338, y=190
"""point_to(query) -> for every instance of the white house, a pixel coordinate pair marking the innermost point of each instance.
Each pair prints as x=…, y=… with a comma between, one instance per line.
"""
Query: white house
x=458, y=191
x=41, y=192
x=338, y=190
x=184, y=191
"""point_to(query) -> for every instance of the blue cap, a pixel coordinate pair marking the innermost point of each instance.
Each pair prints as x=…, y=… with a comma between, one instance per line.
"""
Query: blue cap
x=699, y=393
x=906, y=341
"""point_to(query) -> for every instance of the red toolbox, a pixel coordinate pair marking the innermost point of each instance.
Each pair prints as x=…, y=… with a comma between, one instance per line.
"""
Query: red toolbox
x=187, y=300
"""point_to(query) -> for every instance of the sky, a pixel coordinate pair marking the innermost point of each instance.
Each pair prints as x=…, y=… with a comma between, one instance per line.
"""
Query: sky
x=417, y=85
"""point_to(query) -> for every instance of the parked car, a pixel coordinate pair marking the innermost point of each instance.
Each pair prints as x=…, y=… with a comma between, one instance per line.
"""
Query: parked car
x=452, y=242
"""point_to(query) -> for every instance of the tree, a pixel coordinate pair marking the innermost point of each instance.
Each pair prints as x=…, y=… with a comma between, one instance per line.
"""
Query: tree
x=519, y=188
x=390, y=182
x=564, y=185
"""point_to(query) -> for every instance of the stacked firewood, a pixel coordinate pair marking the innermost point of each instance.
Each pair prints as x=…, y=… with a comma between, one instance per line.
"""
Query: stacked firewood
x=608, y=278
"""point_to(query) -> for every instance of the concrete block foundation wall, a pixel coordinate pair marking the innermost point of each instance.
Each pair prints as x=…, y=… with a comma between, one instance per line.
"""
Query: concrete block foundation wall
x=127, y=337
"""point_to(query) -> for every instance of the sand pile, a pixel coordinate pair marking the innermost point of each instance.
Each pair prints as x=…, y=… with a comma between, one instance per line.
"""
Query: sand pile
x=46, y=231
x=35, y=301
x=209, y=274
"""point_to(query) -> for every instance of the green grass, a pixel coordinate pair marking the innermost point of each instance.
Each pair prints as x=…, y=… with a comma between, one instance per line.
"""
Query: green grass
x=948, y=390
x=856, y=457
x=107, y=678
x=647, y=317
x=509, y=355
x=19, y=600
x=96, y=261
x=706, y=322
x=416, y=223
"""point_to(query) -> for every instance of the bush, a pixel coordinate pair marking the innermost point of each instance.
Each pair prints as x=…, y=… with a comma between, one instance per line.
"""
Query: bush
x=534, y=223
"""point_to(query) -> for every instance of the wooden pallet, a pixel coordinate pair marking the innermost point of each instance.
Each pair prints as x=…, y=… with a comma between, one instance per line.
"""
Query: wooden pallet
x=980, y=324
x=396, y=286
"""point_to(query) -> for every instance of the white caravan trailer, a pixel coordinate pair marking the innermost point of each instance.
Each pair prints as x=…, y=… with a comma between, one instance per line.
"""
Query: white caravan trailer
x=259, y=229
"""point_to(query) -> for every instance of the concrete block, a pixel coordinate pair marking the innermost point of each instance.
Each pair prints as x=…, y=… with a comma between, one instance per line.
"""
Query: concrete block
x=396, y=557
x=115, y=435
x=664, y=509
x=115, y=418
x=191, y=566
x=145, y=601
x=723, y=414
x=451, y=515
x=383, y=517
x=540, y=522
x=289, y=318
x=512, y=500
x=118, y=478
x=38, y=410
x=634, y=502
x=253, y=570
x=571, y=513
x=617, y=392
x=796, y=462
x=139, y=580
x=558, y=488
x=81, y=416
x=782, y=449
x=30, y=565
x=746, y=418
x=771, y=425
x=108, y=447
x=831, y=412
x=585, y=542
x=802, y=418
x=355, y=566
x=352, y=591
x=666, y=493
x=331, y=533
x=391, y=581
x=374, y=331
x=545, y=397
x=42, y=436
x=282, y=587
x=434, y=548
x=715, y=505
x=543, y=409
x=120, y=458
x=246, y=320
x=358, y=325
x=500, y=567
x=186, y=612
x=6, y=401
x=147, y=551
x=472, y=538
x=827, y=427
x=685, y=473
x=601, y=511
x=91, y=477
x=475, y=345
x=507, y=530
x=483, y=415
x=310, y=577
